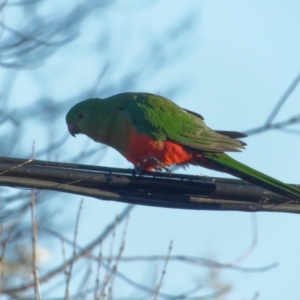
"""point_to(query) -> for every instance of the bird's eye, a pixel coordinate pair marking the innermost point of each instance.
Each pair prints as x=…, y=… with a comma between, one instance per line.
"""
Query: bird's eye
x=80, y=115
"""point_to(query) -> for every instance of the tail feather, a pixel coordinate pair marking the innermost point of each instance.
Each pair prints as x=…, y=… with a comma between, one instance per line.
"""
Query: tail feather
x=223, y=162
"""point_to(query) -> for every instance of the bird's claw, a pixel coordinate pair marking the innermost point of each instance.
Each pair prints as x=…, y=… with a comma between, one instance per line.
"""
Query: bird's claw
x=160, y=165
x=138, y=169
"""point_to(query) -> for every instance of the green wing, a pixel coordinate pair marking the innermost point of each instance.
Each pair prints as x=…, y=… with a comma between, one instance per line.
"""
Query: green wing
x=164, y=120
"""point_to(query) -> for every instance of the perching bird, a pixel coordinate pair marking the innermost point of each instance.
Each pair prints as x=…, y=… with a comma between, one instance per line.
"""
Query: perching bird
x=153, y=133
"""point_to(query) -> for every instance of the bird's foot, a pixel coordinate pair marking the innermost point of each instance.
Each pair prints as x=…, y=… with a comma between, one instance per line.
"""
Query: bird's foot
x=138, y=169
x=159, y=165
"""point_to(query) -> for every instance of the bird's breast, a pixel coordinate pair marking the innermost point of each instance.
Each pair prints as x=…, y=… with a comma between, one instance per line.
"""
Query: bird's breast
x=142, y=147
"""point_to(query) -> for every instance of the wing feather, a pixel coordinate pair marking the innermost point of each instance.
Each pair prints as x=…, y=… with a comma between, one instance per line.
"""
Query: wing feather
x=164, y=120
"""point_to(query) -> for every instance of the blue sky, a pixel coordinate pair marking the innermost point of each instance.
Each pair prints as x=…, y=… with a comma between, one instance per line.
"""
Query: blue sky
x=231, y=65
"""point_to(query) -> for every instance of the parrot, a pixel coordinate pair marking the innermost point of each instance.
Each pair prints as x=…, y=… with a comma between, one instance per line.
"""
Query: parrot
x=154, y=133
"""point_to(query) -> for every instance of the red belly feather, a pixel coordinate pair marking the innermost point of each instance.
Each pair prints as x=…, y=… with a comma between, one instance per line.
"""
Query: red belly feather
x=142, y=146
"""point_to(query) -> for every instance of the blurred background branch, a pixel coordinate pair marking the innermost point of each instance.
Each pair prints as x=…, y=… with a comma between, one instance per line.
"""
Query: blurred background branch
x=282, y=125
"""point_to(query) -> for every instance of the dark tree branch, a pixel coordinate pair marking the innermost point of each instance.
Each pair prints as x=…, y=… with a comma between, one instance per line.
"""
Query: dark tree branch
x=152, y=189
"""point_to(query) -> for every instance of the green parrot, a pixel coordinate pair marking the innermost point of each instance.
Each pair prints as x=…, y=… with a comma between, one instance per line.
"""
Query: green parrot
x=152, y=132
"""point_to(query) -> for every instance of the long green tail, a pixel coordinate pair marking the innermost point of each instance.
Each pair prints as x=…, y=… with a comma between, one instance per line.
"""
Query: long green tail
x=224, y=163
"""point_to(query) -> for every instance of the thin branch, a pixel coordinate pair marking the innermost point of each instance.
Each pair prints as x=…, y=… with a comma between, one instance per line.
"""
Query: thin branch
x=109, y=271
x=196, y=261
x=99, y=262
x=34, y=241
x=1, y=257
x=18, y=166
x=69, y=274
x=82, y=252
x=34, y=249
x=279, y=125
x=82, y=289
x=63, y=249
x=163, y=273
x=253, y=244
x=282, y=100
x=115, y=268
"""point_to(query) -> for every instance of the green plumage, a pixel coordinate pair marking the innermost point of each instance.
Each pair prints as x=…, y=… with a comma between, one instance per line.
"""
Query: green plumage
x=111, y=121
x=235, y=168
x=163, y=119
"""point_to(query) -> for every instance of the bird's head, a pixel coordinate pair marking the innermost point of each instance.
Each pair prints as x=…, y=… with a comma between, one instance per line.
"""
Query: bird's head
x=79, y=116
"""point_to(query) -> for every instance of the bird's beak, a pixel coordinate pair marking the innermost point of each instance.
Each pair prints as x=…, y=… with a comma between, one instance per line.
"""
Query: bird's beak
x=73, y=129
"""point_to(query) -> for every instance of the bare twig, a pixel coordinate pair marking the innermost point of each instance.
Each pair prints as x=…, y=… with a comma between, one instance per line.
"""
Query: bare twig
x=79, y=254
x=34, y=241
x=63, y=249
x=282, y=100
x=82, y=288
x=279, y=125
x=109, y=260
x=4, y=243
x=18, y=166
x=156, y=292
x=34, y=249
x=253, y=242
x=197, y=261
x=99, y=262
x=114, y=270
x=1, y=257
x=69, y=274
